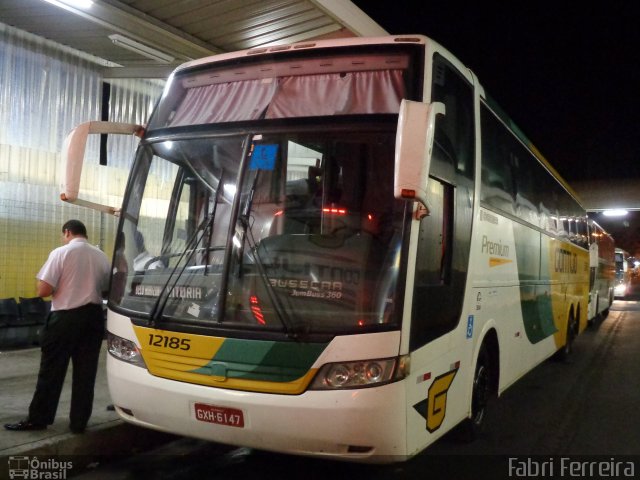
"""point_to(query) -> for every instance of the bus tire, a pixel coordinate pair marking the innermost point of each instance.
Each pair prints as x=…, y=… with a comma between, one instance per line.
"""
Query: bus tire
x=482, y=396
x=567, y=349
x=593, y=322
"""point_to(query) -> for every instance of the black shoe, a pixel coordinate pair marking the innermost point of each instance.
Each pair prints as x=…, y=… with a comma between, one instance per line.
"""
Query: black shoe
x=24, y=425
x=77, y=431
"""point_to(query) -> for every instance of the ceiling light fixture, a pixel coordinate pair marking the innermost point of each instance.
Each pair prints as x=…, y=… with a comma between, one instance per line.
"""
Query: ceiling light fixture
x=616, y=212
x=140, y=48
x=84, y=4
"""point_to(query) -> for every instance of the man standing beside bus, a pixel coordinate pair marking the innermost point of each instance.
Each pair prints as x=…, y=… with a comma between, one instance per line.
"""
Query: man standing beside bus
x=76, y=276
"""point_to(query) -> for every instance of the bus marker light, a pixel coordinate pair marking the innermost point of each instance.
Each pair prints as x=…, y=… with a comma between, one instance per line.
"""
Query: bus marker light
x=256, y=310
x=406, y=193
x=335, y=211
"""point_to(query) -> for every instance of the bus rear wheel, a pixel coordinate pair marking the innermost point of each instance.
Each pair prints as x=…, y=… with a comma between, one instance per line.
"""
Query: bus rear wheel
x=567, y=349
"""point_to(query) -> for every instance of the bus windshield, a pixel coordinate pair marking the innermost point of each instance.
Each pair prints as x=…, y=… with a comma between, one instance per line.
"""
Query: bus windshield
x=293, y=231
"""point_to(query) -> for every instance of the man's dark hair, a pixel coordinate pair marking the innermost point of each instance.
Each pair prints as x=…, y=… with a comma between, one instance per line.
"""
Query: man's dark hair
x=76, y=227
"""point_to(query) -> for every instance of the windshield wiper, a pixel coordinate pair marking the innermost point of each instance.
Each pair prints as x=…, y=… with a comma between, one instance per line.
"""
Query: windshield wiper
x=243, y=219
x=281, y=313
x=190, y=249
x=165, y=292
x=247, y=235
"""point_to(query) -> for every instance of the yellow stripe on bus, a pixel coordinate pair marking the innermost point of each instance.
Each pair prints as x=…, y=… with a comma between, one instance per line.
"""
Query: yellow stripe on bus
x=496, y=261
x=177, y=356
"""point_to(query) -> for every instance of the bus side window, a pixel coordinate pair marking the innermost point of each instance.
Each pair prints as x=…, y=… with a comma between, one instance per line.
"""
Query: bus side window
x=455, y=133
x=497, y=181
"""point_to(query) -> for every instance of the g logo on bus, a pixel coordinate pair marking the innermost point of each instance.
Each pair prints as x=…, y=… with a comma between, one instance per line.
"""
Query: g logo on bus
x=434, y=407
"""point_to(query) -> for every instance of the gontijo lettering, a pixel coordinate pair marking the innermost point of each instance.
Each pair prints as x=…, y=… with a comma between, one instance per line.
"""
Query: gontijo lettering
x=565, y=261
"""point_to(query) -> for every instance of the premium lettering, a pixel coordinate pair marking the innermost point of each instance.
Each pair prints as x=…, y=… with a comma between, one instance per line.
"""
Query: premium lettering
x=494, y=248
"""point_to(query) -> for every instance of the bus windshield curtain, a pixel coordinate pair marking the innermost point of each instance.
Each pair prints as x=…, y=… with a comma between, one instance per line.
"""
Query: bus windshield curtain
x=338, y=94
x=311, y=95
x=224, y=102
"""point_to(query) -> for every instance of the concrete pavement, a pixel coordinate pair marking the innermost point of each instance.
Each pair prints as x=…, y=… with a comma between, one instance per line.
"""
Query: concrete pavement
x=106, y=434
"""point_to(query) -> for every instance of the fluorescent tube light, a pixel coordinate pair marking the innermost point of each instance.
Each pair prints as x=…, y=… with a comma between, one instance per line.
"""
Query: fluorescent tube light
x=616, y=212
x=140, y=48
x=84, y=4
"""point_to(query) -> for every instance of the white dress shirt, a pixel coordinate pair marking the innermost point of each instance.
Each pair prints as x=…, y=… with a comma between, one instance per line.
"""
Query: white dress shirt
x=78, y=273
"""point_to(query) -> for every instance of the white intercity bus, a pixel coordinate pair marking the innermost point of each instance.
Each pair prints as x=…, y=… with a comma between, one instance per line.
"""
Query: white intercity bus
x=339, y=248
x=623, y=273
x=602, y=276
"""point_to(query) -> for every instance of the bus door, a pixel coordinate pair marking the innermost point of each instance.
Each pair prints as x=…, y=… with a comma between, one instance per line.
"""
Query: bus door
x=437, y=391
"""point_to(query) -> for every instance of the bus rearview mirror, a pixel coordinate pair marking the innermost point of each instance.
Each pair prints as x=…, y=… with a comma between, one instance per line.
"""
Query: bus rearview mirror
x=414, y=146
x=73, y=152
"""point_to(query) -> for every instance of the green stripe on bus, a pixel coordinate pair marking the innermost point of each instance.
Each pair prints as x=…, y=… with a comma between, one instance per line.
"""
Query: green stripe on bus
x=537, y=314
x=263, y=360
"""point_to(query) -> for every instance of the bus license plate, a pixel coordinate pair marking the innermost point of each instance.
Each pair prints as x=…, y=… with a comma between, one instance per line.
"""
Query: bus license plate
x=231, y=417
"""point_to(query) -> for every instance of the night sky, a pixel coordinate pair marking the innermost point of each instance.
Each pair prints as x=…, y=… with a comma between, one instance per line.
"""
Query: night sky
x=567, y=73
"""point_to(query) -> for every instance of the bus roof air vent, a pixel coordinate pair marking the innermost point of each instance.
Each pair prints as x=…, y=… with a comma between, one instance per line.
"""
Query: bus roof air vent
x=257, y=51
x=407, y=39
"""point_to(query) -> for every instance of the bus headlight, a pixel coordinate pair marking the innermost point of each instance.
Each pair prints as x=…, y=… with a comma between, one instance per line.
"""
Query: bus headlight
x=620, y=290
x=360, y=374
x=124, y=350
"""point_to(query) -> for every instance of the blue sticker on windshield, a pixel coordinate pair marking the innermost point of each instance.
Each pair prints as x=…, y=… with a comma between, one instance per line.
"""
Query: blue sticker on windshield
x=264, y=157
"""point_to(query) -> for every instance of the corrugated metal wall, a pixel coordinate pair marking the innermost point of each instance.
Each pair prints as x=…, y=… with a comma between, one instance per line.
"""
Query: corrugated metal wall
x=44, y=92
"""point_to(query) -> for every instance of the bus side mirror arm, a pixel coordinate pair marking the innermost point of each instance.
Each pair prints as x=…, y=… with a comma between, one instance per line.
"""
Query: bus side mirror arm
x=414, y=147
x=73, y=158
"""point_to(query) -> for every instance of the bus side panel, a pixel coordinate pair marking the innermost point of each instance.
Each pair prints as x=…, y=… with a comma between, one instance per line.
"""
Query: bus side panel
x=505, y=277
x=440, y=384
x=565, y=268
x=436, y=390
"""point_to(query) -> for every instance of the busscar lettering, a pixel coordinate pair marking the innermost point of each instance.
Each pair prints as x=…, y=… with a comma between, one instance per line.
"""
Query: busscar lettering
x=329, y=282
x=282, y=266
x=494, y=248
x=304, y=284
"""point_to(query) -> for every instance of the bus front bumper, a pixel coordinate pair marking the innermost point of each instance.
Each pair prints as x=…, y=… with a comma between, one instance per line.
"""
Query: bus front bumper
x=367, y=424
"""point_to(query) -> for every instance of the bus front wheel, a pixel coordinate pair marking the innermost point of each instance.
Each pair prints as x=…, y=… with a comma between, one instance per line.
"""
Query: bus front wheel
x=481, y=397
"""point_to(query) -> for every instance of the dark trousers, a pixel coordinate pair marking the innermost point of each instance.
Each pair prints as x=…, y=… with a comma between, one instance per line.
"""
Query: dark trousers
x=74, y=335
